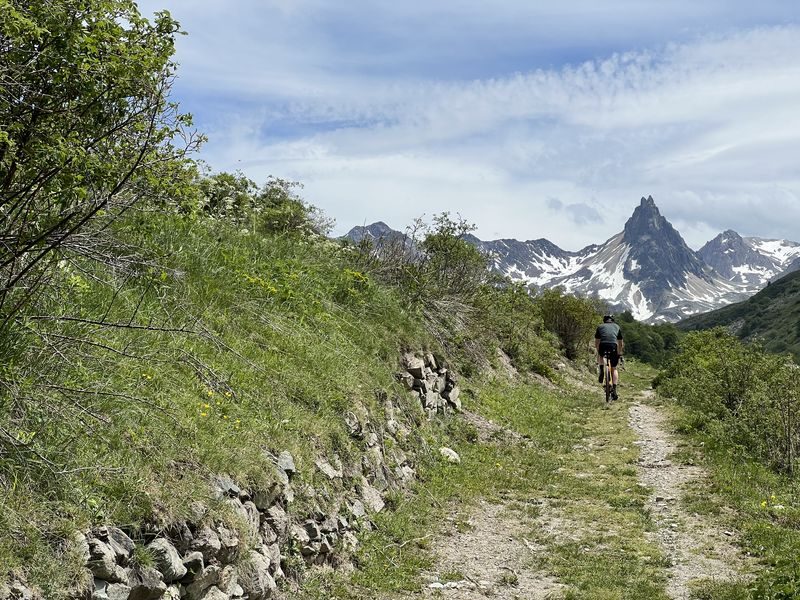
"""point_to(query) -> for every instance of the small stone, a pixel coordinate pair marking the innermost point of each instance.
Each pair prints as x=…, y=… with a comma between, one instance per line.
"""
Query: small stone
x=193, y=562
x=328, y=470
x=226, y=486
x=286, y=464
x=145, y=584
x=450, y=455
x=415, y=366
x=313, y=531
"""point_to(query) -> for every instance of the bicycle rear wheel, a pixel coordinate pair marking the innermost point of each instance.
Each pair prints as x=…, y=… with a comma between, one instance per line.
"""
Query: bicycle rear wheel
x=607, y=385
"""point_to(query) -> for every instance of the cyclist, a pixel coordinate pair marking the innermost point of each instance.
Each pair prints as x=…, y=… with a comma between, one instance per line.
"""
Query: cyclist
x=608, y=339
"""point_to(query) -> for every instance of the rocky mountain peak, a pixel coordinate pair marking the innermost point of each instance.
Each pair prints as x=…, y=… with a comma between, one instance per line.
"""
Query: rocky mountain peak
x=657, y=250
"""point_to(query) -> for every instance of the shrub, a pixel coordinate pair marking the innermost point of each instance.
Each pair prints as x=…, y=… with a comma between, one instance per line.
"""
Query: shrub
x=572, y=319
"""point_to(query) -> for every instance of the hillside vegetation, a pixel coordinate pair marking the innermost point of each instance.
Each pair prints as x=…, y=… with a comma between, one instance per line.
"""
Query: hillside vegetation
x=770, y=317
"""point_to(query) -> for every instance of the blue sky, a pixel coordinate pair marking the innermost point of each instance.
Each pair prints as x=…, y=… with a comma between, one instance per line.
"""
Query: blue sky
x=529, y=118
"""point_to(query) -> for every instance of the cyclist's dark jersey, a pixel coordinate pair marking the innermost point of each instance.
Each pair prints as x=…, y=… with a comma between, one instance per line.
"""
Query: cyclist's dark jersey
x=608, y=333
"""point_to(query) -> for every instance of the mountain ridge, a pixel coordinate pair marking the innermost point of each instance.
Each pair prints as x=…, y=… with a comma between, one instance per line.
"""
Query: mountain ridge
x=646, y=268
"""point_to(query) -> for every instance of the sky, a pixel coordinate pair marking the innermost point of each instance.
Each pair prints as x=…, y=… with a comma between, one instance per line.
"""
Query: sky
x=529, y=118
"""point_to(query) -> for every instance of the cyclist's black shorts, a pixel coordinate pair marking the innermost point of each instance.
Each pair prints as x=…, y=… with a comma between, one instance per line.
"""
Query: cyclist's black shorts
x=611, y=350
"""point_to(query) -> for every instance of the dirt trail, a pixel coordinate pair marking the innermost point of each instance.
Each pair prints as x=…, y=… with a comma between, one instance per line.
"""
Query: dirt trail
x=489, y=557
x=697, y=548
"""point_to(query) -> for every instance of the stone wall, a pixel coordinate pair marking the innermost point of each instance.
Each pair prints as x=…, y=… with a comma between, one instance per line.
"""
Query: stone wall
x=254, y=543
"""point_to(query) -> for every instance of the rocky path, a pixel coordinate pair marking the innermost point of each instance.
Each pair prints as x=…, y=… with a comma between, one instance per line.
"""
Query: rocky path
x=489, y=555
x=697, y=548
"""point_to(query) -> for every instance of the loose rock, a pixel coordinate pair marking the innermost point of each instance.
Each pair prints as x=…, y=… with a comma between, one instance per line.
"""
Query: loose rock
x=450, y=455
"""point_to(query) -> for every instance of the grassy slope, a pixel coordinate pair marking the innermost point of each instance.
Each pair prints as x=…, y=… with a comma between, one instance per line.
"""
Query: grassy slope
x=285, y=339
x=771, y=316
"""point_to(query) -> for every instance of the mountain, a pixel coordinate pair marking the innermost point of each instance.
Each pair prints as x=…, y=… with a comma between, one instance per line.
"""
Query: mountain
x=769, y=317
x=379, y=231
x=647, y=268
x=750, y=262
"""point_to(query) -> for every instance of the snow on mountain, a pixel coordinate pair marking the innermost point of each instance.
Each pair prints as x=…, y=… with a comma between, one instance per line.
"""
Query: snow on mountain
x=749, y=262
x=647, y=268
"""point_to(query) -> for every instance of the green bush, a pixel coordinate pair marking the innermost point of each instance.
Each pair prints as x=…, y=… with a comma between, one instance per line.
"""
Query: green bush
x=747, y=399
x=571, y=318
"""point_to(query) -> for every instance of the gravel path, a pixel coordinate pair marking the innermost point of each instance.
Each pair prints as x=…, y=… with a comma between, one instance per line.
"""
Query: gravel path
x=697, y=548
x=491, y=557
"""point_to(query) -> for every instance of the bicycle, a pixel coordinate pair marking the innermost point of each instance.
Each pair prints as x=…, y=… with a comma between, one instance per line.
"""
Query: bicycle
x=608, y=383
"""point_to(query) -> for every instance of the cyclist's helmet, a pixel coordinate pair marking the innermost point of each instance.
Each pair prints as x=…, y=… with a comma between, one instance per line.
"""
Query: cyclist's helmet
x=608, y=319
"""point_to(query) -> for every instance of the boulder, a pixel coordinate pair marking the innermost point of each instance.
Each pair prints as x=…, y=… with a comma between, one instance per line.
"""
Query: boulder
x=247, y=513
x=452, y=397
x=167, y=560
x=371, y=497
x=214, y=593
x=103, y=562
x=120, y=543
x=431, y=400
x=110, y=591
x=430, y=361
x=145, y=584
x=313, y=530
x=353, y=424
x=80, y=546
x=450, y=455
x=229, y=544
x=255, y=579
x=406, y=380
x=414, y=365
x=300, y=535
x=173, y=593
x=358, y=510
x=207, y=542
x=208, y=577
x=277, y=518
x=228, y=579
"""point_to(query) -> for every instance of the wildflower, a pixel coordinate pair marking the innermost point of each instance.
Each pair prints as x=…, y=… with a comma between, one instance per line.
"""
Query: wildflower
x=228, y=394
x=772, y=497
x=206, y=405
x=210, y=393
x=763, y=504
x=203, y=414
x=225, y=417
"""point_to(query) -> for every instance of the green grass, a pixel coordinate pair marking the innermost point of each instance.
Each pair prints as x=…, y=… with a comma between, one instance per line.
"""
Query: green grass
x=280, y=338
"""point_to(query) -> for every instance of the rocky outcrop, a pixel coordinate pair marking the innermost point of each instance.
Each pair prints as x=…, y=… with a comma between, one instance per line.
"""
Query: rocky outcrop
x=433, y=385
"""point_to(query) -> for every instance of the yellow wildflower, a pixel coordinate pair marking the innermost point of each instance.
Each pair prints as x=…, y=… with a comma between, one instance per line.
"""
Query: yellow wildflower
x=210, y=393
x=206, y=405
x=203, y=414
x=763, y=504
x=228, y=394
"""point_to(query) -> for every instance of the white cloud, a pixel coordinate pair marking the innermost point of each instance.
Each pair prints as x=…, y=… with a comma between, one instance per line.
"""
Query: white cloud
x=708, y=125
